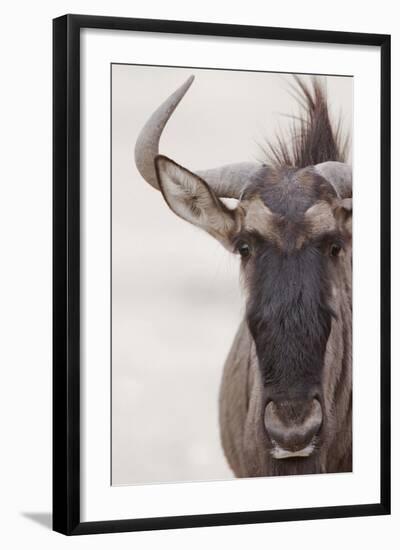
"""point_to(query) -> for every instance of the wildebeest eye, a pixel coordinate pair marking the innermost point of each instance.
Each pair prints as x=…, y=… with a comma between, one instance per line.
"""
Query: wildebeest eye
x=335, y=249
x=244, y=249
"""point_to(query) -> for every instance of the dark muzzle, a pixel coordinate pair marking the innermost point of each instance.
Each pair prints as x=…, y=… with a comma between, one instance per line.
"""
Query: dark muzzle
x=293, y=427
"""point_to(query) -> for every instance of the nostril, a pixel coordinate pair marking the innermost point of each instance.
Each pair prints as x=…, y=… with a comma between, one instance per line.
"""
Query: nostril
x=293, y=425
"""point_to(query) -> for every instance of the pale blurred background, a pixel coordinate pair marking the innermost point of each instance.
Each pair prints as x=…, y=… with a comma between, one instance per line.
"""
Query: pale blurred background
x=176, y=299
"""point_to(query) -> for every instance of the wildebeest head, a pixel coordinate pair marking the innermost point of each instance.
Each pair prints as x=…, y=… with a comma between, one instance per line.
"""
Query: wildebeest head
x=292, y=229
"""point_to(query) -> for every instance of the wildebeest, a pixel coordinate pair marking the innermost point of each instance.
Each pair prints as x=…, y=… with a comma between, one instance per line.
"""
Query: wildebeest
x=286, y=392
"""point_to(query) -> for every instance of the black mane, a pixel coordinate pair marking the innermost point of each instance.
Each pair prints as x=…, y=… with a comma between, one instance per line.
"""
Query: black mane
x=313, y=138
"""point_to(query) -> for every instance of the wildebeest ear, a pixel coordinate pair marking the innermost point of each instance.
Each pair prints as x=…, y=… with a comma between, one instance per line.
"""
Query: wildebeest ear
x=192, y=199
x=343, y=212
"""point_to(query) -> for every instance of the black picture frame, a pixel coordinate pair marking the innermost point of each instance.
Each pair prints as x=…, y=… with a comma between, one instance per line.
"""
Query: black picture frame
x=66, y=273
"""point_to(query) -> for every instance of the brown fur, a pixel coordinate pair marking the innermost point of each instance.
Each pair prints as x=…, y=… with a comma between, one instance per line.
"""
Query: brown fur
x=241, y=403
x=244, y=439
x=259, y=218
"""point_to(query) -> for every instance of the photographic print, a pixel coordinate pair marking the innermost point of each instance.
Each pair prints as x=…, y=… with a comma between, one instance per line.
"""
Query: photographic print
x=231, y=261
x=213, y=314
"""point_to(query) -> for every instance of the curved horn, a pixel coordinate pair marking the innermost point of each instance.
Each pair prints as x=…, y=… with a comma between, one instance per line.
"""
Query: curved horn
x=231, y=180
x=226, y=181
x=147, y=143
x=339, y=175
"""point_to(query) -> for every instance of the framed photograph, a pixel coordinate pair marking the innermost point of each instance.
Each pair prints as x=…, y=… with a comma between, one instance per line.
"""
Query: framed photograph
x=221, y=319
